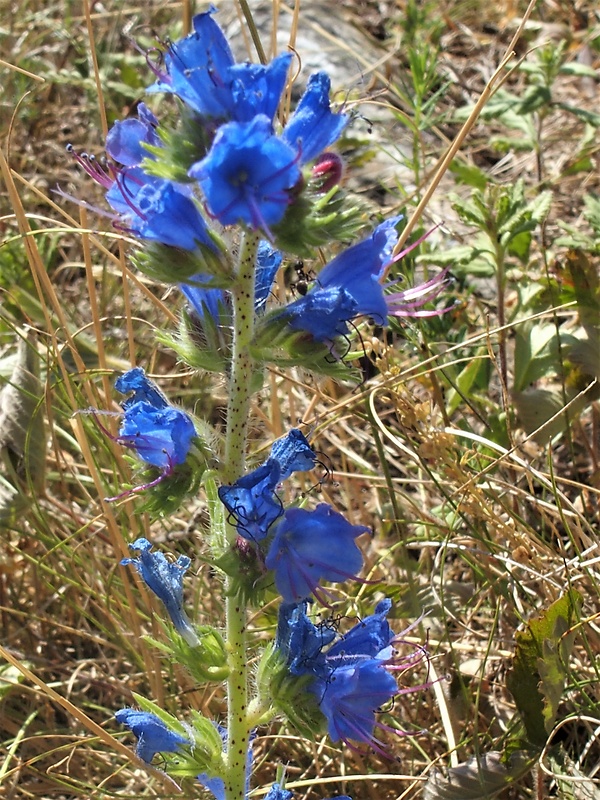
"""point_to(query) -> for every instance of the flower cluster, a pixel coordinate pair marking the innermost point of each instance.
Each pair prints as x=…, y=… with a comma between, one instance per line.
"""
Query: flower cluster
x=349, y=677
x=232, y=161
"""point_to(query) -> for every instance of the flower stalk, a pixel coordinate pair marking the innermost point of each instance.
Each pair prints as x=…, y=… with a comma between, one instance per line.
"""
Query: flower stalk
x=238, y=413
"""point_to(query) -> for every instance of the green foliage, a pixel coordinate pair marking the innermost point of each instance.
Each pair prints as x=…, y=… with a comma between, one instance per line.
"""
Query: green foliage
x=540, y=666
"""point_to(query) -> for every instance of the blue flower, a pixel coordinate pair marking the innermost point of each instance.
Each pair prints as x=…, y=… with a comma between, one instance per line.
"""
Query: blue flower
x=310, y=546
x=313, y=127
x=347, y=287
x=135, y=380
x=152, y=734
x=252, y=500
x=248, y=174
x=293, y=453
x=161, y=437
x=201, y=71
x=160, y=434
x=125, y=140
x=300, y=641
x=165, y=579
x=351, y=695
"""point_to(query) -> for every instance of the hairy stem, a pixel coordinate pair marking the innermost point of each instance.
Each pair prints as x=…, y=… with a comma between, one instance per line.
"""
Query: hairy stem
x=238, y=412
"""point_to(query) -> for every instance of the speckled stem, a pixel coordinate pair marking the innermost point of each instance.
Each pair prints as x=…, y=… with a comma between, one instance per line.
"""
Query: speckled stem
x=238, y=412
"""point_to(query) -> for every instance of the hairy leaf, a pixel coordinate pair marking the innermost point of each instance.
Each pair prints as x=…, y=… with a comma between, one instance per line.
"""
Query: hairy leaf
x=536, y=679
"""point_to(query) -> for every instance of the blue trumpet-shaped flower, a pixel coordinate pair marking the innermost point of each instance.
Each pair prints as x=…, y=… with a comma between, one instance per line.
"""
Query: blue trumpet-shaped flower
x=165, y=579
x=160, y=434
x=201, y=71
x=350, y=697
x=310, y=546
x=351, y=286
x=152, y=734
x=347, y=287
x=252, y=500
x=352, y=675
x=248, y=174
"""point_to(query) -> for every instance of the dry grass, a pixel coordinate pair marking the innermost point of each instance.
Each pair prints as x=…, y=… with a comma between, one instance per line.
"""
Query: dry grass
x=479, y=535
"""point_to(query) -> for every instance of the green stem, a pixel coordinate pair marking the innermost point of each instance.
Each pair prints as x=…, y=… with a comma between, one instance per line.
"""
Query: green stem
x=238, y=413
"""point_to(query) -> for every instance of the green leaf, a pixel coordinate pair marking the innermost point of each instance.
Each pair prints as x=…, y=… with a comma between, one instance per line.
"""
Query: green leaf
x=469, y=174
x=22, y=430
x=575, y=68
x=536, y=680
x=583, y=114
x=478, y=778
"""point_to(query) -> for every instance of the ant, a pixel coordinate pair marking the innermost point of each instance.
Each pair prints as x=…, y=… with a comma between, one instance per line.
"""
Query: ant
x=303, y=278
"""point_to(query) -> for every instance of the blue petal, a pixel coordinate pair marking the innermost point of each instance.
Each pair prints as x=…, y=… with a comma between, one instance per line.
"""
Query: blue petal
x=168, y=216
x=125, y=139
x=323, y=312
x=293, y=453
x=313, y=127
x=248, y=174
x=165, y=579
x=277, y=793
x=203, y=300
x=369, y=638
x=350, y=697
x=310, y=546
x=152, y=733
x=268, y=261
x=300, y=641
x=252, y=501
x=257, y=89
x=135, y=380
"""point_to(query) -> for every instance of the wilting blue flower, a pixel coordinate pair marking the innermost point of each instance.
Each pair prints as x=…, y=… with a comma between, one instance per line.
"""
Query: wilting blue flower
x=310, y=546
x=248, y=174
x=277, y=792
x=152, y=734
x=165, y=579
x=252, y=500
x=160, y=434
x=201, y=71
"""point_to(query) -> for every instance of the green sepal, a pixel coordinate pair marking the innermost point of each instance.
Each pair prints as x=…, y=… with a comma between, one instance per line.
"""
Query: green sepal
x=202, y=342
x=205, y=754
x=168, y=494
x=276, y=342
x=167, y=264
x=248, y=578
x=205, y=662
x=313, y=220
x=289, y=694
x=180, y=148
